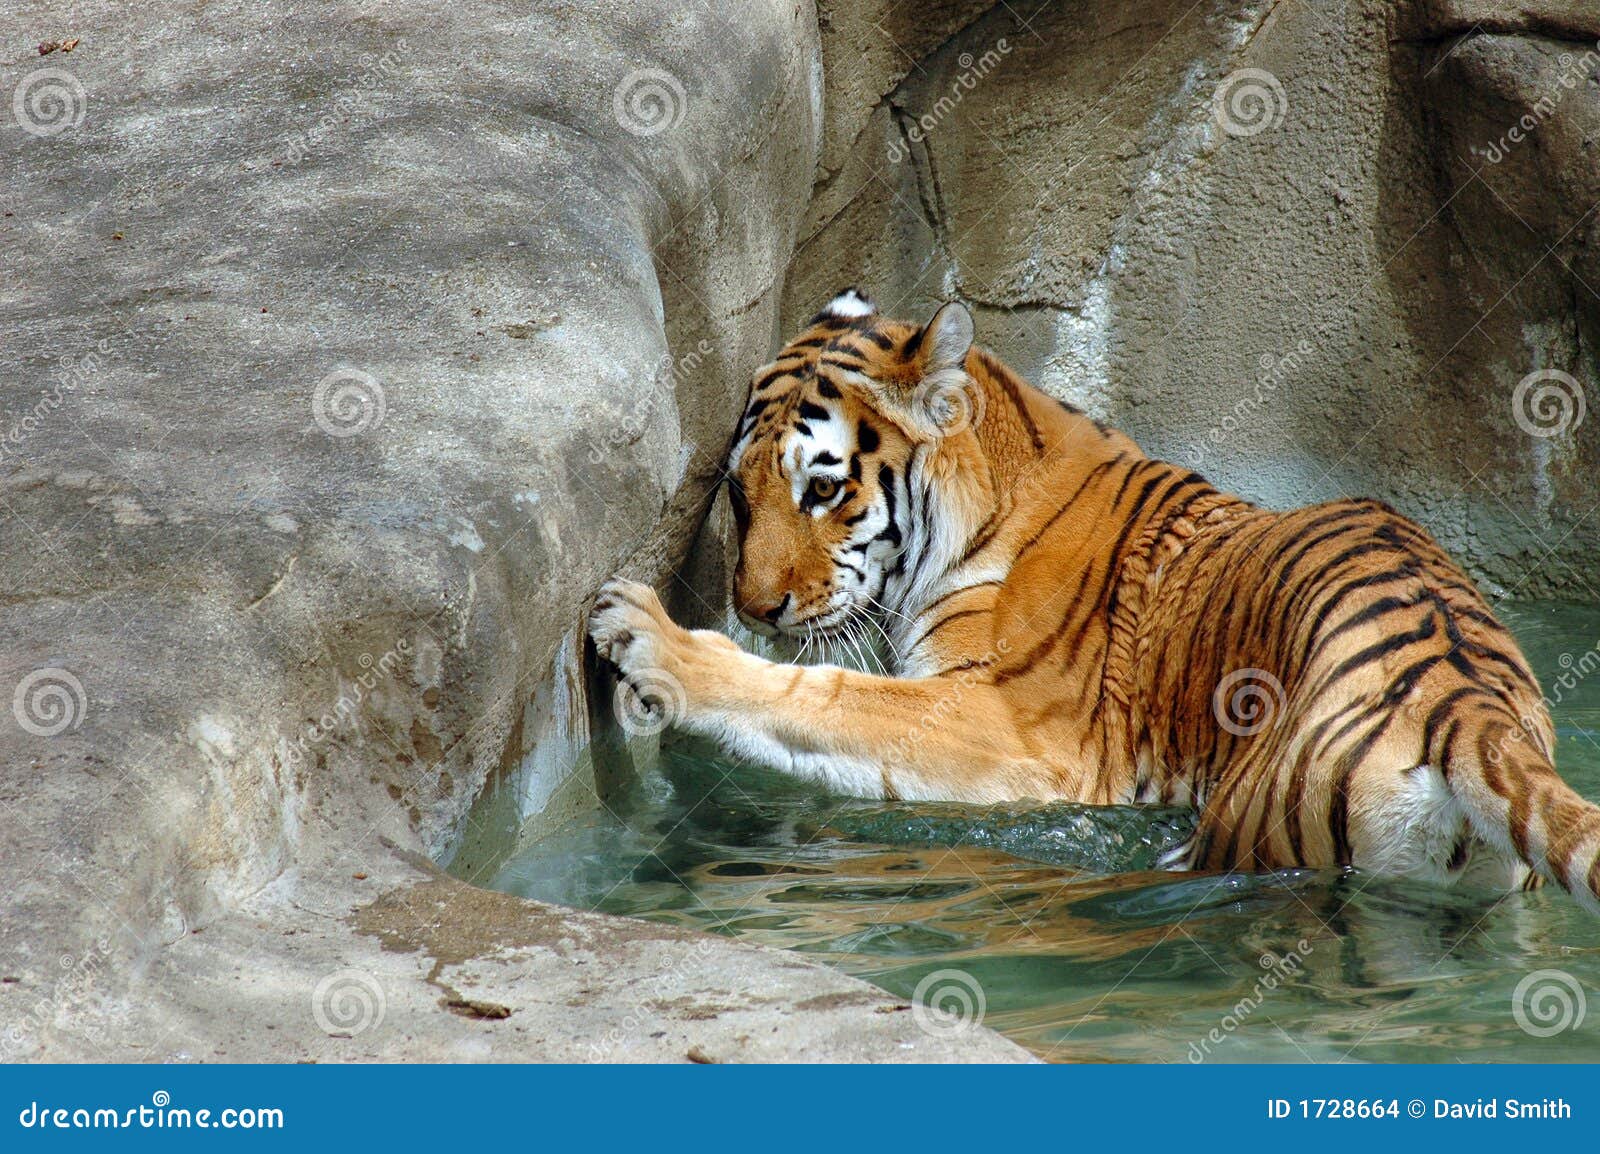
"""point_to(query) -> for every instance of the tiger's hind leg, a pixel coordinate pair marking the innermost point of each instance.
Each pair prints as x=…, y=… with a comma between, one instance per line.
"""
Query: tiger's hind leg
x=1407, y=822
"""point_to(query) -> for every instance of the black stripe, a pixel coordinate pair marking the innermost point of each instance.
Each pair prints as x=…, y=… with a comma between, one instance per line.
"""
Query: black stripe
x=1364, y=616
x=811, y=412
x=1339, y=812
x=1009, y=384
x=891, y=531
x=773, y=374
x=941, y=623
x=1059, y=513
x=938, y=601
x=867, y=439
x=1441, y=712
x=913, y=344
x=1377, y=650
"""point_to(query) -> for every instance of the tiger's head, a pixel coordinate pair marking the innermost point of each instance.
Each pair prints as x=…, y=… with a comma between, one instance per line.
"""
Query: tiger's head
x=835, y=467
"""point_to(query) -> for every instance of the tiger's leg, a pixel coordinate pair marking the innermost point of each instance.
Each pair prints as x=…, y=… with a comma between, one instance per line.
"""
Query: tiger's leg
x=1406, y=821
x=915, y=738
x=1363, y=801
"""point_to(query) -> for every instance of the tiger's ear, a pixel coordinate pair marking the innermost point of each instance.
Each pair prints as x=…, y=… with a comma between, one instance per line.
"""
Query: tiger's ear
x=938, y=399
x=847, y=306
x=946, y=340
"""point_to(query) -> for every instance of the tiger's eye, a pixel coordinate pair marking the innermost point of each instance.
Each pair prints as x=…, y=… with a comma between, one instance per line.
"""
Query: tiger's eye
x=823, y=488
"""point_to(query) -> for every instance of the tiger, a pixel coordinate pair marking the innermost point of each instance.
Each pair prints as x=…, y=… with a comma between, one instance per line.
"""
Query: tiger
x=1068, y=619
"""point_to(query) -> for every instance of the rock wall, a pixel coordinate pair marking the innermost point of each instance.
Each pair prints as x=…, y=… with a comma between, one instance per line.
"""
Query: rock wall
x=1287, y=244
x=344, y=354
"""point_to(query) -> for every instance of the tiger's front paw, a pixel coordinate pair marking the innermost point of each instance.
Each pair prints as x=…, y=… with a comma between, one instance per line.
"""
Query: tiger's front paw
x=631, y=629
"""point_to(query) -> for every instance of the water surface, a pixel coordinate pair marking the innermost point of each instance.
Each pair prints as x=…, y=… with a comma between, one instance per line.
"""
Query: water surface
x=1051, y=920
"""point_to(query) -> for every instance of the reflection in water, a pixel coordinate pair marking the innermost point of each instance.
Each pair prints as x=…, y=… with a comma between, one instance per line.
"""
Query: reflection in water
x=1082, y=953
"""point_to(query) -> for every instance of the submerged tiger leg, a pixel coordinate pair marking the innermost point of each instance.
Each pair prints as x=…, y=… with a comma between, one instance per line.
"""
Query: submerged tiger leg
x=917, y=738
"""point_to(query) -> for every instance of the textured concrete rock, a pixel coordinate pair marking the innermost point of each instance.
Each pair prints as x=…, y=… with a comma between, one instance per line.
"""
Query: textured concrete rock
x=1251, y=235
x=344, y=353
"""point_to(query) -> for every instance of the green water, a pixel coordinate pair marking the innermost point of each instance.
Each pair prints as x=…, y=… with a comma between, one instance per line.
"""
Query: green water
x=1076, y=949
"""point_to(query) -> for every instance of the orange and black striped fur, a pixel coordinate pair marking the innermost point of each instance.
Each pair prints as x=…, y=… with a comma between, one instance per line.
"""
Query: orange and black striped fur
x=1070, y=619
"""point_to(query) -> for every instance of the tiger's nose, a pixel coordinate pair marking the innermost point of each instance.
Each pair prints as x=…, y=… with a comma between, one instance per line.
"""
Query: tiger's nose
x=767, y=612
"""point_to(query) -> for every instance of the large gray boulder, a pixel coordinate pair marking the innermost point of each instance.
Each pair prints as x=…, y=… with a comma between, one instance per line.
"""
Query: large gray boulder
x=344, y=354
